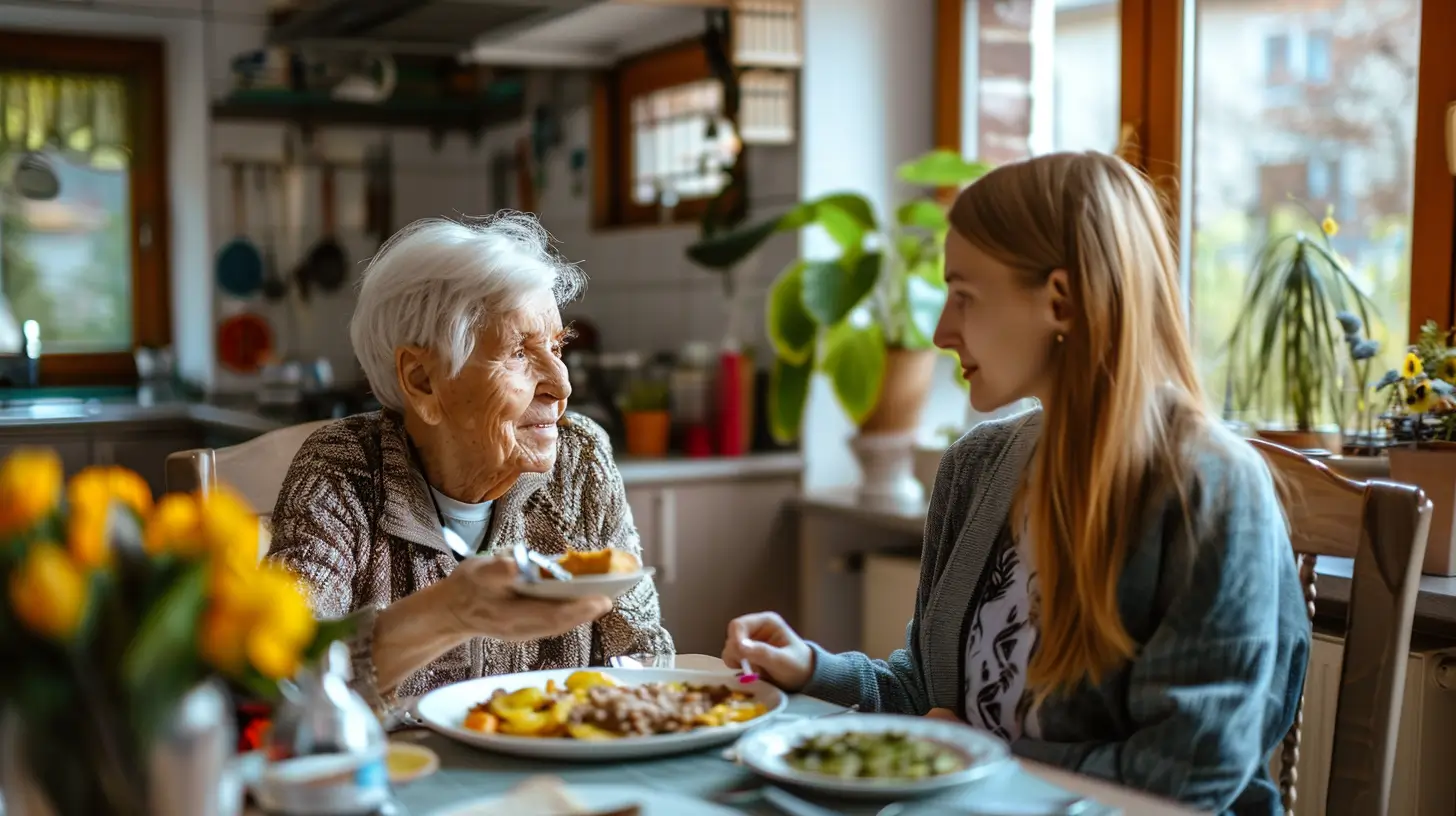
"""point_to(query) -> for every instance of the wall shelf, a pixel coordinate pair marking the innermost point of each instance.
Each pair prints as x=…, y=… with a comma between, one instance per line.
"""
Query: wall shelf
x=439, y=117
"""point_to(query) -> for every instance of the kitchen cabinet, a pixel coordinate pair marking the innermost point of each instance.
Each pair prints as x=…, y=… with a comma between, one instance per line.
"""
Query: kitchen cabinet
x=722, y=548
x=140, y=447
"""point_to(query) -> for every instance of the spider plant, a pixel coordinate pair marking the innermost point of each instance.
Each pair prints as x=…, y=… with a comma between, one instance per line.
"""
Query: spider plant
x=1286, y=347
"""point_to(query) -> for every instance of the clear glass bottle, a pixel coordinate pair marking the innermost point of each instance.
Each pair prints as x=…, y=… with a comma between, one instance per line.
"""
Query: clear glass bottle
x=326, y=750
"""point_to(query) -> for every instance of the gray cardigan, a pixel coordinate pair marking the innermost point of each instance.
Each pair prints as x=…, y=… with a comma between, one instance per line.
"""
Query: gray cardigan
x=1220, y=623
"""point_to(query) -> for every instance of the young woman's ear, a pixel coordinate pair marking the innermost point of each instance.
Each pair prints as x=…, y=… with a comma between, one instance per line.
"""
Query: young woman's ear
x=1059, y=297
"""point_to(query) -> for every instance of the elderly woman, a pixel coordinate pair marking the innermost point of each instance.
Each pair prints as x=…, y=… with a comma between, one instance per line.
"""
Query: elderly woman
x=458, y=329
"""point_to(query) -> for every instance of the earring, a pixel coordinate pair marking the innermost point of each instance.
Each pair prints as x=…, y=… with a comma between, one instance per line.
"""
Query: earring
x=1061, y=337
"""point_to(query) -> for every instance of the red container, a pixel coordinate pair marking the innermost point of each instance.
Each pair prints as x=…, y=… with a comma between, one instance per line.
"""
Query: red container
x=732, y=441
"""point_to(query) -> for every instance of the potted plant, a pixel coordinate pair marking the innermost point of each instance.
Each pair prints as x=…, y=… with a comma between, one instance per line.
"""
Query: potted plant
x=116, y=617
x=863, y=315
x=646, y=419
x=1420, y=417
x=1285, y=351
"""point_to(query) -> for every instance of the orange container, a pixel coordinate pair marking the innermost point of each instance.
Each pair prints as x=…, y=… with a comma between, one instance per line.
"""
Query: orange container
x=647, y=433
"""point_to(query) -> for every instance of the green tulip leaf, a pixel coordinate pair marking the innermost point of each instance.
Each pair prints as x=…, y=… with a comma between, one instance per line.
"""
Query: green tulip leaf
x=854, y=359
x=159, y=665
x=923, y=214
x=788, y=391
x=941, y=168
x=924, y=301
x=726, y=250
x=790, y=327
x=831, y=289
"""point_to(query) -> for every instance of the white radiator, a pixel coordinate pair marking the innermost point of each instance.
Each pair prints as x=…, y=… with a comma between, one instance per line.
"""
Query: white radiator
x=1427, y=732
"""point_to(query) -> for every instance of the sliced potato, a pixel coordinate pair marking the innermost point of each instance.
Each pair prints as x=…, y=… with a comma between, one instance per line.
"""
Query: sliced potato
x=587, y=731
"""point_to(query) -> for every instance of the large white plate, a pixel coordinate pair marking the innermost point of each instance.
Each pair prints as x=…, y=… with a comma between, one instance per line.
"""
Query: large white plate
x=598, y=798
x=613, y=585
x=444, y=710
x=763, y=751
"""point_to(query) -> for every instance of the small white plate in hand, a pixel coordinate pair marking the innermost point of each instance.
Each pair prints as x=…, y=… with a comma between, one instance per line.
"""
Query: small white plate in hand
x=613, y=585
x=764, y=751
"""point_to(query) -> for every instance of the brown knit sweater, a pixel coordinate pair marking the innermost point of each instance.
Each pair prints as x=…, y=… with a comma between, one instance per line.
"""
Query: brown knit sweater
x=355, y=520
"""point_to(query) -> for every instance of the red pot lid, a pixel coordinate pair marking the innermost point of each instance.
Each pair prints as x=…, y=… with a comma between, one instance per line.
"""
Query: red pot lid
x=244, y=343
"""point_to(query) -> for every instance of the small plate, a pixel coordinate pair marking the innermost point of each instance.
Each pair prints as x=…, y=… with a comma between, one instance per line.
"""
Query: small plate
x=443, y=711
x=407, y=762
x=764, y=749
x=613, y=585
x=602, y=798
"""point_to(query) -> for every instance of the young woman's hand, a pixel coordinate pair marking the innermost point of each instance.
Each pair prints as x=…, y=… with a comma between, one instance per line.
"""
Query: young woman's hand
x=774, y=650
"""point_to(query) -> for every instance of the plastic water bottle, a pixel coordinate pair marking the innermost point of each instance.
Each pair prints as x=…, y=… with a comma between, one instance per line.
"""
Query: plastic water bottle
x=326, y=750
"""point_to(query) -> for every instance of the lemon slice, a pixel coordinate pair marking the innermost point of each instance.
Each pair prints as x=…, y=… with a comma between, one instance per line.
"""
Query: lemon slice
x=407, y=762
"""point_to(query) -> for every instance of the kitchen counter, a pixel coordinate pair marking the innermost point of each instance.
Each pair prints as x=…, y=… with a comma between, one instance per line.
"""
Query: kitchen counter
x=1435, y=605
x=237, y=418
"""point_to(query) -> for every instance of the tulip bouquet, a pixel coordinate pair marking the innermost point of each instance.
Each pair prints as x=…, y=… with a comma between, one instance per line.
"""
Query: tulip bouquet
x=113, y=607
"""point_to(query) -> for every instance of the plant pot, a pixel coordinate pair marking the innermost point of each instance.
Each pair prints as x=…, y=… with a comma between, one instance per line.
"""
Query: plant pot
x=191, y=770
x=648, y=433
x=908, y=375
x=1432, y=468
x=1305, y=440
x=926, y=464
x=886, y=464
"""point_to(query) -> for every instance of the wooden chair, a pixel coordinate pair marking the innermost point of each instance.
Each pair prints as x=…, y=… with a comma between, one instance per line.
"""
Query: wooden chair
x=1382, y=526
x=254, y=469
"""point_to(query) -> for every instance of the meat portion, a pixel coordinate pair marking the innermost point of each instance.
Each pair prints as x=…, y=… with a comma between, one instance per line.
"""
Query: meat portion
x=640, y=711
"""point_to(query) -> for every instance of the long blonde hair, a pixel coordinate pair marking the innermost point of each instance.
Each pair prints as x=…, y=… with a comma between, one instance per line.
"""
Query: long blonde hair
x=1125, y=386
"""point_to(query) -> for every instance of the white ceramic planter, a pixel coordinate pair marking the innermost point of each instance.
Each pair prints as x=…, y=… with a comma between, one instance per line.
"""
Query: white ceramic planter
x=886, y=463
x=927, y=464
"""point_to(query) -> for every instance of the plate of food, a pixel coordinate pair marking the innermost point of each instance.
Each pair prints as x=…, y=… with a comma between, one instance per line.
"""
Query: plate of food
x=607, y=572
x=600, y=714
x=873, y=756
x=548, y=796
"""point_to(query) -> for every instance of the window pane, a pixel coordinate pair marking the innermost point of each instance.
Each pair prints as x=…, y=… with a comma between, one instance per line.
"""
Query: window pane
x=1302, y=108
x=1040, y=76
x=677, y=142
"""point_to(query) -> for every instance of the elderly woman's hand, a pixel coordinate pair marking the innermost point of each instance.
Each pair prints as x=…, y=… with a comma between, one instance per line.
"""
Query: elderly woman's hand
x=476, y=600
x=482, y=601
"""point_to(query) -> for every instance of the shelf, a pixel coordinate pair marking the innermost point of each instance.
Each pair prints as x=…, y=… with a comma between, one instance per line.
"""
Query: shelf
x=309, y=113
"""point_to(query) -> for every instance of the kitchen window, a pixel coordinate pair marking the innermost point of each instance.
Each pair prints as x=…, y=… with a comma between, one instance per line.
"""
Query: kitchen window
x=663, y=144
x=1020, y=77
x=89, y=263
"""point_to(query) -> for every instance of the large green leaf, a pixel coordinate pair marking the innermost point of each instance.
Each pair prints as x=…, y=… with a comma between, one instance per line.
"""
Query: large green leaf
x=790, y=327
x=842, y=226
x=831, y=289
x=854, y=359
x=788, y=391
x=727, y=249
x=854, y=205
x=923, y=214
x=160, y=663
x=924, y=301
x=941, y=168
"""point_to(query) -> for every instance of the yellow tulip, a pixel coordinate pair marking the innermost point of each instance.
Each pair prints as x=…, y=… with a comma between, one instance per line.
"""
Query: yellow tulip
x=87, y=535
x=259, y=617
x=103, y=484
x=1412, y=367
x=274, y=658
x=221, y=639
x=30, y=489
x=174, y=527
x=48, y=592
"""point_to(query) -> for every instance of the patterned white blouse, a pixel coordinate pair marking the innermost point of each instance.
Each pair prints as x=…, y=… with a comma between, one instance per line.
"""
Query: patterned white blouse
x=1003, y=635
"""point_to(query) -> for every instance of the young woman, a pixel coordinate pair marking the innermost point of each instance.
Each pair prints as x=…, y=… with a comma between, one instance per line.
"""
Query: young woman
x=1106, y=581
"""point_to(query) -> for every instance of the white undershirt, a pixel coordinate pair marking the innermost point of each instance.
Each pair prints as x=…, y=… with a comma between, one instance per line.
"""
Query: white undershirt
x=999, y=646
x=469, y=521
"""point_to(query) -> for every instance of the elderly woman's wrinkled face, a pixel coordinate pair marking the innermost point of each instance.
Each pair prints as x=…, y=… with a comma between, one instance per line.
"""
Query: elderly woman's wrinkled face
x=498, y=416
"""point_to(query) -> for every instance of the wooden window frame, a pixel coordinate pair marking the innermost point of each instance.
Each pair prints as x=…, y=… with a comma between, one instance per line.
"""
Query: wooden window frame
x=614, y=92
x=142, y=64
x=1152, y=80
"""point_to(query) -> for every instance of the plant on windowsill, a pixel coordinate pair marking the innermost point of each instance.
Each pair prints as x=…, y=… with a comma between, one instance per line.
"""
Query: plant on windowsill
x=646, y=419
x=1420, y=417
x=1285, y=350
x=1361, y=437
x=117, y=620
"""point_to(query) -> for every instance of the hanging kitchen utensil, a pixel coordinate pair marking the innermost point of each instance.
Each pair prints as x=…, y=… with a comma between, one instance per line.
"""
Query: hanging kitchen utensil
x=239, y=266
x=274, y=286
x=327, y=263
x=244, y=343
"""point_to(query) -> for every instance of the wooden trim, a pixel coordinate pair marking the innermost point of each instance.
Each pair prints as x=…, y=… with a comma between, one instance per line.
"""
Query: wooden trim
x=1433, y=202
x=142, y=65
x=950, y=28
x=667, y=67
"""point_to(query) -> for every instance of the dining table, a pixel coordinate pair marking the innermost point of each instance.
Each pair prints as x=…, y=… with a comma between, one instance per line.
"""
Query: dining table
x=469, y=774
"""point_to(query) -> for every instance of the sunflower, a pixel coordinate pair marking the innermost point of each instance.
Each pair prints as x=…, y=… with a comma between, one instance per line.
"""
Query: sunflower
x=1421, y=398
x=1411, y=368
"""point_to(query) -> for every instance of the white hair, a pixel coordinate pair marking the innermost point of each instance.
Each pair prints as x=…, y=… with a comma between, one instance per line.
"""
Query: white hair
x=436, y=282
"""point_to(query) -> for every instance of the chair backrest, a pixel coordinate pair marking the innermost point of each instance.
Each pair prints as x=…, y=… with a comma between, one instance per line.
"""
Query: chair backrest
x=1382, y=526
x=254, y=469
